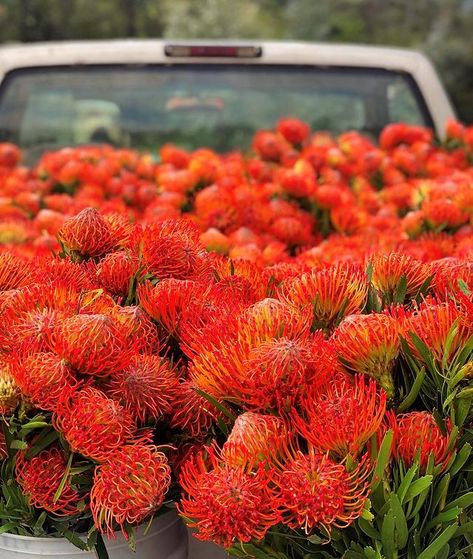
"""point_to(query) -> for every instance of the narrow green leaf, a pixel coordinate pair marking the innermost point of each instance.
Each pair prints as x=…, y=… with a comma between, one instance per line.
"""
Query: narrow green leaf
x=413, y=392
x=384, y=455
x=463, y=502
x=417, y=487
x=406, y=482
x=19, y=445
x=217, y=404
x=402, y=532
x=64, y=479
x=387, y=535
x=100, y=548
x=401, y=291
x=443, y=518
x=431, y=551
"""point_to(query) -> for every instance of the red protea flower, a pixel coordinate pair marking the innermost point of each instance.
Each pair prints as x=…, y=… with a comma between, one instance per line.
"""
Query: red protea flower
x=86, y=234
x=389, y=269
x=166, y=301
x=254, y=438
x=94, y=344
x=417, y=436
x=269, y=146
x=226, y=504
x=10, y=395
x=443, y=213
x=40, y=478
x=115, y=272
x=313, y=491
x=221, y=367
x=369, y=344
x=171, y=249
x=433, y=323
x=343, y=417
x=121, y=230
x=330, y=293
x=145, y=388
x=280, y=371
x=191, y=412
x=93, y=424
x=15, y=272
x=44, y=378
x=129, y=487
x=293, y=130
x=136, y=324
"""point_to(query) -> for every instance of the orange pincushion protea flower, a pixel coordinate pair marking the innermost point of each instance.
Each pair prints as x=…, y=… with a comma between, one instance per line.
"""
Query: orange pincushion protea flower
x=254, y=438
x=92, y=343
x=432, y=323
x=343, y=417
x=191, y=412
x=93, y=424
x=166, y=301
x=313, y=491
x=171, y=249
x=15, y=272
x=389, y=269
x=279, y=371
x=293, y=130
x=369, y=344
x=86, y=234
x=40, y=478
x=443, y=213
x=44, y=378
x=330, y=294
x=116, y=270
x=417, y=436
x=10, y=395
x=145, y=388
x=129, y=487
x=226, y=504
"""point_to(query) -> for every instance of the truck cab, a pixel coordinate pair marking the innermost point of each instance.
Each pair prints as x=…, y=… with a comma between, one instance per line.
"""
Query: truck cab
x=143, y=93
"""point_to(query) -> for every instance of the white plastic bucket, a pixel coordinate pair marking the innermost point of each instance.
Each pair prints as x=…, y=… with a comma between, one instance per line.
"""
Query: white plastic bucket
x=165, y=539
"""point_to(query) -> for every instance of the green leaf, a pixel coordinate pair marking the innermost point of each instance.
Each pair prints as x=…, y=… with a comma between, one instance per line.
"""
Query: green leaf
x=463, y=502
x=431, y=551
x=387, y=535
x=368, y=528
x=100, y=548
x=401, y=291
x=413, y=392
x=402, y=532
x=64, y=479
x=417, y=487
x=384, y=455
x=45, y=438
x=78, y=542
x=19, y=445
x=406, y=482
x=443, y=518
x=448, y=343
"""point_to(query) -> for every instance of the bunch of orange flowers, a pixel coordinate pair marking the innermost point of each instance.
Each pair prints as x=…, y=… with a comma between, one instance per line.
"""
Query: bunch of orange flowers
x=287, y=337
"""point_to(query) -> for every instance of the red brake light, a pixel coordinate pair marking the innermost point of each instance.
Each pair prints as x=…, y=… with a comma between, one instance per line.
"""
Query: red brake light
x=213, y=51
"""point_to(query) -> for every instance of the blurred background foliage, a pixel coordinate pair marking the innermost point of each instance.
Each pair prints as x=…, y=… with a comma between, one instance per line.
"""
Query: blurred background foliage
x=440, y=28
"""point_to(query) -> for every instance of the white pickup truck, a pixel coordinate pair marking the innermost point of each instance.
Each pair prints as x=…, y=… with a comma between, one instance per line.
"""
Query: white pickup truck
x=142, y=93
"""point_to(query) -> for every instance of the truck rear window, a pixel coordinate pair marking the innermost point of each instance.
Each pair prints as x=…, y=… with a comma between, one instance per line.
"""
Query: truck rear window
x=217, y=105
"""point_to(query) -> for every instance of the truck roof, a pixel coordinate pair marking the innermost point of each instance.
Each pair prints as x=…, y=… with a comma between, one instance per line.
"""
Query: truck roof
x=152, y=51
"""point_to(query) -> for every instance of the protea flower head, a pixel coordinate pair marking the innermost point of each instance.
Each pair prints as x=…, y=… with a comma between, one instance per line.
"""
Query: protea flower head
x=313, y=491
x=369, y=344
x=10, y=395
x=341, y=418
x=226, y=504
x=279, y=371
x=432, y=323
x=93, y=424
x=330, y=293
x=86, y=234
x=129, y=487
x=254, y=438
x=166, y=301
x=115, y=272
x=191, y=412
x=40, y=478
x=171, y=249
x=145, y=388
x=94, y=344
x=43, y=377
x=293, y=130
x=389, y=269
x=15, y=272
x=417, y=436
